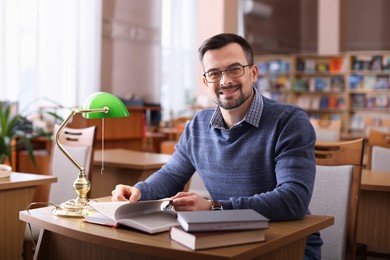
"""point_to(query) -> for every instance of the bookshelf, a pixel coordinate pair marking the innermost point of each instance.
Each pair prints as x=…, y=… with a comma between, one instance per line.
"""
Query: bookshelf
x=353, y=87
x=369, y=89
x=275, y=76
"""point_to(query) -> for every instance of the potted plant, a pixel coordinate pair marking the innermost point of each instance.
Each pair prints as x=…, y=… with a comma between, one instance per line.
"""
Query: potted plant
x=16, y=132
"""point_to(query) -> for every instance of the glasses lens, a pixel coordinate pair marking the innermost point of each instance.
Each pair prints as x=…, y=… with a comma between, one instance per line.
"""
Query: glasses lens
x=213, y=76
x=235, y=72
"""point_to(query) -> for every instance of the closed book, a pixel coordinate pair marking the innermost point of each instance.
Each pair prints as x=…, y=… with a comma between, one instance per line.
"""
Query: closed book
x=203, y=240
x=211, y=220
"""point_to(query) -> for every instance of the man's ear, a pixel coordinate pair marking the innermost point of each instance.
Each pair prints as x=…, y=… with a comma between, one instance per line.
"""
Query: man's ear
x=255, y=73
x=205, y=83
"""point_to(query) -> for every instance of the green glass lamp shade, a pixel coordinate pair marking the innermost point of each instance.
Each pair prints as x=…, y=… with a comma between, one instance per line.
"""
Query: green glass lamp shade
x=100, y=100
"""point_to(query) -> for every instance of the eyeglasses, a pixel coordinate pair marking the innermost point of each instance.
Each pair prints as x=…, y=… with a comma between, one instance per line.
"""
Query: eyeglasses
x=233, y=72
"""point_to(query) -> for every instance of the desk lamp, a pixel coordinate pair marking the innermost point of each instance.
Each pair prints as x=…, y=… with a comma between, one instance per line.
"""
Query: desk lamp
x=98, y=105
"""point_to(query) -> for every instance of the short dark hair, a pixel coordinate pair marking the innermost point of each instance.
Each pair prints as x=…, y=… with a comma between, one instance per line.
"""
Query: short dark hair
x=223, y=39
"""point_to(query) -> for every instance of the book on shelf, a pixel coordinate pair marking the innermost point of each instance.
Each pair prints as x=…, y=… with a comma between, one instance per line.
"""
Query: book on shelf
x=337, y=83
x=321, y=84
x=386, y=62
x=355, y=81
x=324, y=102
x=151, y=216
x=369, y=82
x=336, y=65
x=332, y=102
x=357, y=123
x=371, y=100
x=322, y=67
x=382, y=82
x=310, y=66
x=382, y=101
x=376, y=62
x=358, y=101
x=300, y=85
x=304, y=102
x=218, y=220
x=300, y=66
x=315, y=102
x=341, y=104
x=263, y=67
x=212, y=239
x=361, y=62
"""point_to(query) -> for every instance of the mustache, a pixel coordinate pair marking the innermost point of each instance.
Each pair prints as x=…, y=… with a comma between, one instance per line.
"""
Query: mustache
x=221, y=88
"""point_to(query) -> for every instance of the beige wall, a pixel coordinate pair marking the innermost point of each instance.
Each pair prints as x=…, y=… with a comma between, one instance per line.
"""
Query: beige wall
x=293, y=26
x=131, y=48
x=216, y=16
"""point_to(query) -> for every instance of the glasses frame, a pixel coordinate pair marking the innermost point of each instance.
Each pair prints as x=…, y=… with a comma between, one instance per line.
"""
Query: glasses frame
x=227, y=73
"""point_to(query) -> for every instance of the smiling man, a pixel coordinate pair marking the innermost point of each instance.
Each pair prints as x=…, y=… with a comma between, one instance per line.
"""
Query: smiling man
x=251, y=152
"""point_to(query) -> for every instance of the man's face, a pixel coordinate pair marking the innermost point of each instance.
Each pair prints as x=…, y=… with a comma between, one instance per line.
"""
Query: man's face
x=229, y=92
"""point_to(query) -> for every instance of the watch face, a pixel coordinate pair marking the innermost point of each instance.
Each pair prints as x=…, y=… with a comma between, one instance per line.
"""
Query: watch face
x=216, y=205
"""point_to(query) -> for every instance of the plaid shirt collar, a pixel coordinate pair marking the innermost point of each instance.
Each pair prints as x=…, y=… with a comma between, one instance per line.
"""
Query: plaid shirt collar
x=252, y=116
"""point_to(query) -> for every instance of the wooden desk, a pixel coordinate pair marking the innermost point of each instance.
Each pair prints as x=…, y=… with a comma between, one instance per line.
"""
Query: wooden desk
x=67, y=238
x=122, y=166
x=16, y=193
x=374, y=211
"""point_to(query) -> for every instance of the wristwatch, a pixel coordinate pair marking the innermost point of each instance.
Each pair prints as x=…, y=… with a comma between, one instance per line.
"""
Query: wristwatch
x=216, y=205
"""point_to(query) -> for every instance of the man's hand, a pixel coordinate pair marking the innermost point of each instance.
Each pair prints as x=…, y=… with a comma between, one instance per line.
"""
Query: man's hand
x=189, y=201
x=125, y=192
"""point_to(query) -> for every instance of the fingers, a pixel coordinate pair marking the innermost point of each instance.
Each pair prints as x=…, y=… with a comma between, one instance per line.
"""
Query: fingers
x=189, y=201
x=183, y=194
x=125, y=192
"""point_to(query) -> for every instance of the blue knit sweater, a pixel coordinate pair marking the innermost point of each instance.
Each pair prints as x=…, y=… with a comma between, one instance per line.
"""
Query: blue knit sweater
x=266, y=162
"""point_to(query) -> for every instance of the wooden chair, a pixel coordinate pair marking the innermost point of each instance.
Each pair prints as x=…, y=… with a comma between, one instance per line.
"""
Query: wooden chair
x=378, y=124
x=336, y=193
x=80, y=143
x=378, y=151
x=327, y=130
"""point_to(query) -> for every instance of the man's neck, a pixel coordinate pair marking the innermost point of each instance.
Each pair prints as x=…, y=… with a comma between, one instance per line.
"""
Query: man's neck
x=233, y=116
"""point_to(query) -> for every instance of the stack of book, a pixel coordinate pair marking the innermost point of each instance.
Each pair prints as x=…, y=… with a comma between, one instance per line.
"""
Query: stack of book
x=193, y=229
x=208, y=229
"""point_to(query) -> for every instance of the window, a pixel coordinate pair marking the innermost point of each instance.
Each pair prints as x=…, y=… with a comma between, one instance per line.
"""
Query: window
x=178, y=57
x=40, y=50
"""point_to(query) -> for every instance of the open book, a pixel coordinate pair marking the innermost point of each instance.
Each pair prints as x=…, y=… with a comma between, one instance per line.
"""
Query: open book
x=148, y=216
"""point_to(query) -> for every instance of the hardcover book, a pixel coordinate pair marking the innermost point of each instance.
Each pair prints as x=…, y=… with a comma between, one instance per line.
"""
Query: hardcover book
x=151, y=216
x=217, y=220
x=203, y=240
x=336, y=65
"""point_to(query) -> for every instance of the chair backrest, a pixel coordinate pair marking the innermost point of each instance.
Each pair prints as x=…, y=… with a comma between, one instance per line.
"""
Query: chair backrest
x=80, y=143
x=327, y=130
x=378, y=150
x=376, y=123
x=336, y=193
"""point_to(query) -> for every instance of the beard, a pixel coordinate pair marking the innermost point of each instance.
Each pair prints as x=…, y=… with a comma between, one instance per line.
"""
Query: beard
x=231, y=102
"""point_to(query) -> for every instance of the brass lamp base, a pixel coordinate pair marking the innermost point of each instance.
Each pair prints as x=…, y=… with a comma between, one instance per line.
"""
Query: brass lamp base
x=73, y=208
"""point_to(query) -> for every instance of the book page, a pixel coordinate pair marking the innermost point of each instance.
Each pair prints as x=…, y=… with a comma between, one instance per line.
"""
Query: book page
x=107, y=208
x=130, y=210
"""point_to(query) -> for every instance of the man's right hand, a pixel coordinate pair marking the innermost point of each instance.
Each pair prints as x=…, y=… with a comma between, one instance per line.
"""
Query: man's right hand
x=125, y=192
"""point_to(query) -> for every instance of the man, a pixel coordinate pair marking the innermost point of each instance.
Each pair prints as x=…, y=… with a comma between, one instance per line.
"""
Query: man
x=251, y=152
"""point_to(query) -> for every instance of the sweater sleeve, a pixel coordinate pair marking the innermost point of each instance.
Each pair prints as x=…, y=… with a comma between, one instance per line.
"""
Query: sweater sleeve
x=172, y=177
